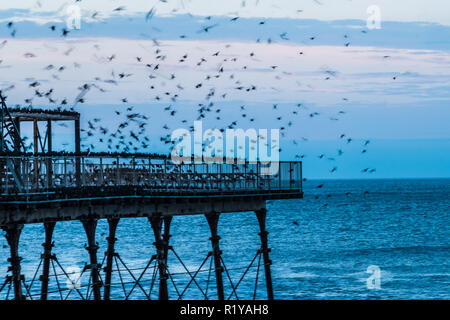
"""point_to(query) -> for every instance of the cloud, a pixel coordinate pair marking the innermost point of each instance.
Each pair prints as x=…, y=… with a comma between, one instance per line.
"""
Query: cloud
x=418, y=36
x=435, y=11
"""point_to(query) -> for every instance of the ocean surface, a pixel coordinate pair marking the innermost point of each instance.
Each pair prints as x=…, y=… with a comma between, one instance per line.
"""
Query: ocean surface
x=322, y=246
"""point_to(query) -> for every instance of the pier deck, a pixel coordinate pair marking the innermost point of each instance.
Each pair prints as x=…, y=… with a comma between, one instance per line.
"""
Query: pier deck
x=53, y=188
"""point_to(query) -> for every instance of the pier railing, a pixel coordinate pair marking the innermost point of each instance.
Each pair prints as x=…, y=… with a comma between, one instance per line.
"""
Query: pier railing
x=28, y=174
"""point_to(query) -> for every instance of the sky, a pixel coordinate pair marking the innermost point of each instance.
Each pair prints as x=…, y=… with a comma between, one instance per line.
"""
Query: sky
x=329, y=75
x=432, y=11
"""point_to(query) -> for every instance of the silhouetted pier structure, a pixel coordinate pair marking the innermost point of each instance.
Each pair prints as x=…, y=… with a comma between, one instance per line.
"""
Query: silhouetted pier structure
x=48, y=187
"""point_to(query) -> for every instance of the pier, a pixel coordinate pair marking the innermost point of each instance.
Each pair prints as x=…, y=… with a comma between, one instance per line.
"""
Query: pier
x=46, y=187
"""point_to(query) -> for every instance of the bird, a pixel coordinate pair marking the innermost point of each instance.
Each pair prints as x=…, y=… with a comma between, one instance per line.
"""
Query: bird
x=150, y=14
x=284, y=36
x=207, y=28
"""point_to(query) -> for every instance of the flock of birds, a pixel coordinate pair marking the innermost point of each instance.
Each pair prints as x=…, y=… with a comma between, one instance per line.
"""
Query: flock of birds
x=130, y=133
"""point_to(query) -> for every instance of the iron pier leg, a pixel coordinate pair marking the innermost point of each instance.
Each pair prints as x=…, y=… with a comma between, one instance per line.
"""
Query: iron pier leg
x=166, y=236
x=46, y=256
x=213, y=220
x=162, y=246
x=12, y=236
x=261, y=215
x=89, y=226
x=113, y=222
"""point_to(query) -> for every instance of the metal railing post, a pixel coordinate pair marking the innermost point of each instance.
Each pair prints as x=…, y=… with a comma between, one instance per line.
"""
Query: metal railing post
x=165, y=173
x=101, y=171
x=133, y=161
x=301, y=176
x=245, y=175
x=65, y=172
x=279, y=175
x=117, y=172
x=257, y=175
x=221, y=178
x=83, y=172
x=290, y=175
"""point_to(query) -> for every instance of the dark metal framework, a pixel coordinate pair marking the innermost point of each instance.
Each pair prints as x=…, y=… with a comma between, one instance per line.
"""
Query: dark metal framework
x=44, y=187
x=11, y=118
x=12, y=143
x=53, y=275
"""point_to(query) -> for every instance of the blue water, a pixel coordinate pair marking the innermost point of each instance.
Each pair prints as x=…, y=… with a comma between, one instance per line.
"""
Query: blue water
x=401, y=226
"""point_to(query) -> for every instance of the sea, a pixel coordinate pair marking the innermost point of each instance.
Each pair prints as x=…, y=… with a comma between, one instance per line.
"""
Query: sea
x=347, y=239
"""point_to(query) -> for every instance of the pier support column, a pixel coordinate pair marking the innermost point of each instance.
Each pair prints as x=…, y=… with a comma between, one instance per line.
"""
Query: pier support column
x=113, y=222
x=90, y=225
x=46, y=256
x=166, y=236
x=261, y=215
x=213, y=220
x=162, y=246
x=12, y=236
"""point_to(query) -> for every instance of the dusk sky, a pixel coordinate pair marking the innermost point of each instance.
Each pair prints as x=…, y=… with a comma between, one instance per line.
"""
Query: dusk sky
x=328, y=74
